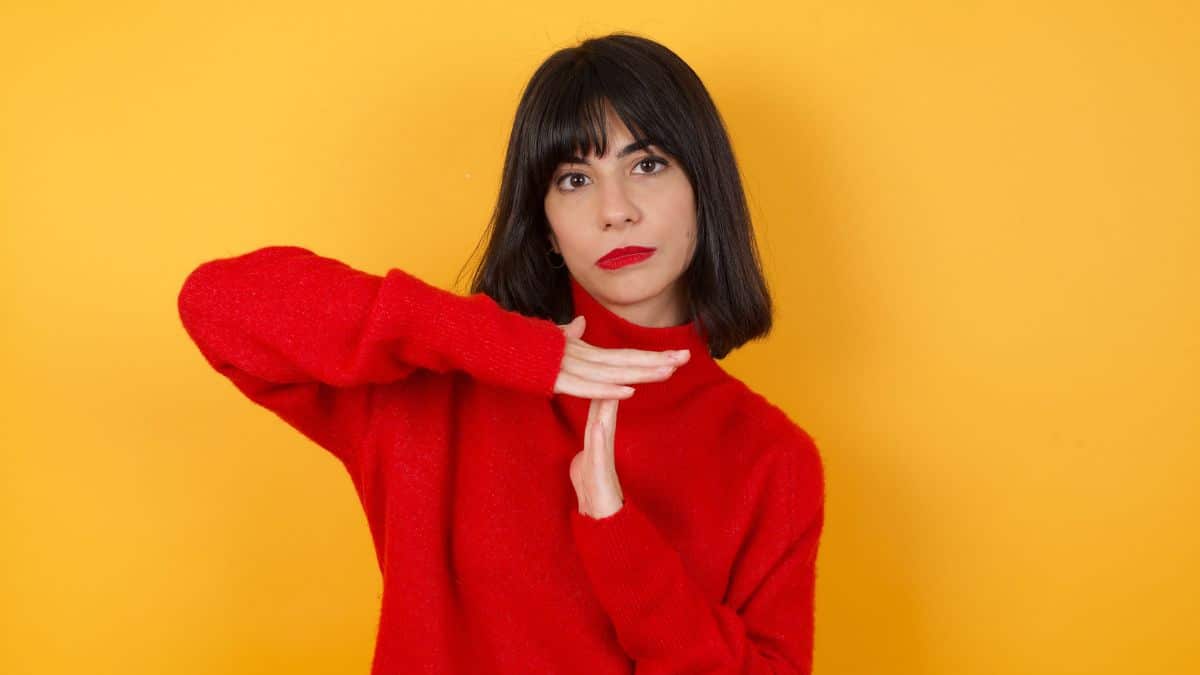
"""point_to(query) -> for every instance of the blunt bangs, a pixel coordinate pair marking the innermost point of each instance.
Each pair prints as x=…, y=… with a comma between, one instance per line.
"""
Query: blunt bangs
x=571, y=102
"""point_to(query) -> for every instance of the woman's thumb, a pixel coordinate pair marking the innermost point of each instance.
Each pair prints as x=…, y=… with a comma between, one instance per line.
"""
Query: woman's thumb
x=574, y=328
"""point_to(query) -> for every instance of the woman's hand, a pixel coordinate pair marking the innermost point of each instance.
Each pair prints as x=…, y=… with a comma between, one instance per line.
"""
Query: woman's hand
x=594, y=470
x=594, y=372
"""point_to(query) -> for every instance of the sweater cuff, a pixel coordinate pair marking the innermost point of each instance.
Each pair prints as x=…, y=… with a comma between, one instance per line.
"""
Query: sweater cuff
x=667, y=623
x=656, y=608
x=476, y=335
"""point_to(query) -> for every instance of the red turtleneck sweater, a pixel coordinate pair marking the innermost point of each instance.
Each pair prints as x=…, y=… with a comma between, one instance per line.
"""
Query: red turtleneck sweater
x=441, y=408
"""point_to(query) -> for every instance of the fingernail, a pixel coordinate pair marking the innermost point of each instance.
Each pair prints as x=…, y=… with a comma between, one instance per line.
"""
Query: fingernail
x=628, y=390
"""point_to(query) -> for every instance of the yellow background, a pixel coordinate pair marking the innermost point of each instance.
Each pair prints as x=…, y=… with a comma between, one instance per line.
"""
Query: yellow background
x=979, y=220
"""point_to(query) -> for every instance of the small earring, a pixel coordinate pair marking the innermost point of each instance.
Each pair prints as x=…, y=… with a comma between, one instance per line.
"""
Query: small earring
x=550, y=253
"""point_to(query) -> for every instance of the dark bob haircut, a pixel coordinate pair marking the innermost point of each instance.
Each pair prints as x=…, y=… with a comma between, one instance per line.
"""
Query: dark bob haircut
x=658, y=97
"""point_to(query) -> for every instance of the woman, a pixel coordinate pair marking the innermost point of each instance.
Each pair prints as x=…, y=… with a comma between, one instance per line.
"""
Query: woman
x=519, y=527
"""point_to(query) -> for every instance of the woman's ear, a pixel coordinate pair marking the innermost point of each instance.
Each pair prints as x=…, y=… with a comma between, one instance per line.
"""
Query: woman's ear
x=554, y=244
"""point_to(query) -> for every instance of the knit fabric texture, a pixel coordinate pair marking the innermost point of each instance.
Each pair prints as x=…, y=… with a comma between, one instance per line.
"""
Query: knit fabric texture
x=441, y=409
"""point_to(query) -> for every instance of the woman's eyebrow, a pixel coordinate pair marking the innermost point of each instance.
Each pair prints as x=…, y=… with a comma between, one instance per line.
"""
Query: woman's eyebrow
x=632, y=147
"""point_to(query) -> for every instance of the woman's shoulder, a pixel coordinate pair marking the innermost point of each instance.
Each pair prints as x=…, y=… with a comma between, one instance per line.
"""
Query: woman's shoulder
x=767, y=456
x=768, y=426
x=788, y=446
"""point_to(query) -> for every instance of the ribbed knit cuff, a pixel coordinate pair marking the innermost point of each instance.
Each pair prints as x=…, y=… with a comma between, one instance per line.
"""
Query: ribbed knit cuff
x=521, y=353
x=640, y=580
x=476, y=335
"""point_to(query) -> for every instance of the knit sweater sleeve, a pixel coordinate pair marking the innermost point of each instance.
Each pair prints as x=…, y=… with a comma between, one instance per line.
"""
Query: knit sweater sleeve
x=666, y=624
x=311, y=338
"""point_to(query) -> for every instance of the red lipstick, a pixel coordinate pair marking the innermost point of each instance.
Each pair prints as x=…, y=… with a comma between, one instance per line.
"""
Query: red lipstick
x=625, y=255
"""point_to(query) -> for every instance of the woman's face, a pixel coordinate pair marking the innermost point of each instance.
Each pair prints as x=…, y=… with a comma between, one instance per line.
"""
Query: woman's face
x=616, y=201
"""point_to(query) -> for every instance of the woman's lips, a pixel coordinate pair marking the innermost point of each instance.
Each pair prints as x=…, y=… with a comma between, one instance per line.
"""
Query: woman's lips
x=623, y=260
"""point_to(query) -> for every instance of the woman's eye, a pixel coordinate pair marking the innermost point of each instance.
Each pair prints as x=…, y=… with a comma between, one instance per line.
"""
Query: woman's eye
x=568, y=181
x=651, y=161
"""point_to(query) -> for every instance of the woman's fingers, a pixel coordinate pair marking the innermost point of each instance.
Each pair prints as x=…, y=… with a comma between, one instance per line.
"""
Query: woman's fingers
x=619, y=365
x=625, y=356
x=594, y=372
x=600, y=372
x=574, y=328
x=568, y=383
x=601, y=423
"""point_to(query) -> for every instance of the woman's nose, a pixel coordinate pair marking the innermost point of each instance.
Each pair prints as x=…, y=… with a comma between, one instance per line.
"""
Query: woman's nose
x=617, y=207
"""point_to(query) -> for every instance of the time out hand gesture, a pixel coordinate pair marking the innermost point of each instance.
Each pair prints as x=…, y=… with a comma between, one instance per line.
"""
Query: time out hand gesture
x=593, y=372
x=594, y=470
x=598, y=374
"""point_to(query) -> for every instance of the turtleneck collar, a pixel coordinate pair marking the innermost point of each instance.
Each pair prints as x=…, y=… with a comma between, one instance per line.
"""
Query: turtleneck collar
x=606, y=329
